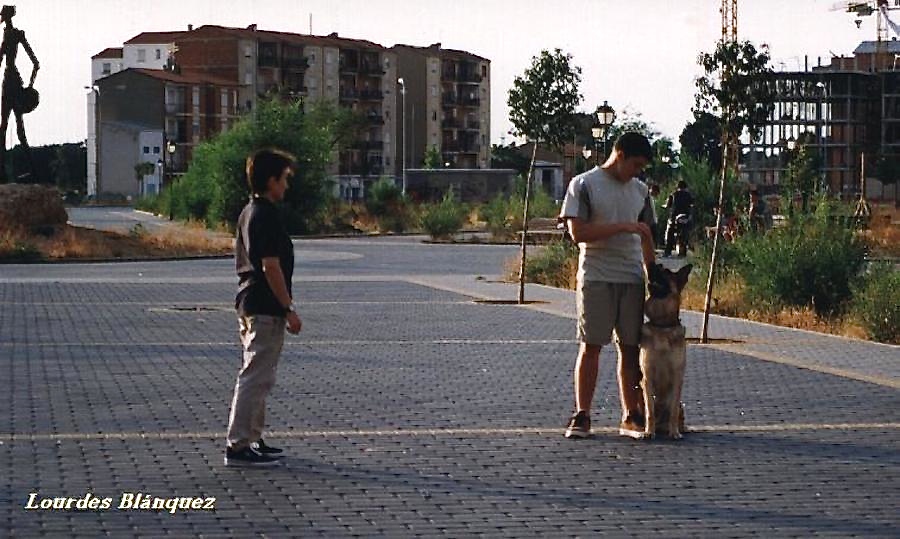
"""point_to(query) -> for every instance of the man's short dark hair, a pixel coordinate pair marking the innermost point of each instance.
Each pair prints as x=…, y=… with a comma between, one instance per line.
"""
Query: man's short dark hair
x=682, y=184
x=264, y=164
x=634, y=144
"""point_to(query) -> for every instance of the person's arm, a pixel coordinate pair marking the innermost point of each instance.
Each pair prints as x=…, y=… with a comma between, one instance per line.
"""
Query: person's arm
x=34, y=60
x=275, y=278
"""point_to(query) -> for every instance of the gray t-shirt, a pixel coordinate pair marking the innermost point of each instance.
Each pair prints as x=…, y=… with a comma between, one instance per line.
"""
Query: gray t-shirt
x=595, y=196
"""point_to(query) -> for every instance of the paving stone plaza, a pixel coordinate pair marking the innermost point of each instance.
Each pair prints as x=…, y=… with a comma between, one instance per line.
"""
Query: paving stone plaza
x=408, y=409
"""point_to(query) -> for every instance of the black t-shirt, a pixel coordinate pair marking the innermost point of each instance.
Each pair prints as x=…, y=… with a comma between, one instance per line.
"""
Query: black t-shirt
x=260, y=234
x=679, y=202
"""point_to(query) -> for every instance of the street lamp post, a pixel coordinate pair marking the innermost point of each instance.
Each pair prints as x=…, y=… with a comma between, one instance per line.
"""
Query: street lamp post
x=823, y=154
x=606, y=115
x=170, y=154
x=403, y=127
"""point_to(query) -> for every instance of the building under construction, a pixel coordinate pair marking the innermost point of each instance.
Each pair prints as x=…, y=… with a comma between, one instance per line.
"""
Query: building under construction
x=847, y=113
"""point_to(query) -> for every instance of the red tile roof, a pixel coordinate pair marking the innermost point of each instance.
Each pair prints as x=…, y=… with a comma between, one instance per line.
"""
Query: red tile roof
x=155, y=38
x=184, y=78
x=108, y=53
x=288, y=37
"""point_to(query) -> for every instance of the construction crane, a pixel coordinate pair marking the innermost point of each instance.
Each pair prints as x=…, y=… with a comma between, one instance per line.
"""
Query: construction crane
x=880, y=8
x=729, y=21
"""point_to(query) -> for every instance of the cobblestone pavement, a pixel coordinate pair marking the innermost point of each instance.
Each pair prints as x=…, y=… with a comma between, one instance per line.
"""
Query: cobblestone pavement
x=409, y=410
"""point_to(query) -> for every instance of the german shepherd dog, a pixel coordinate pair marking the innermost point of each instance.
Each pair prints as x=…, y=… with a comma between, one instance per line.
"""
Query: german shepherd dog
x=663, y=353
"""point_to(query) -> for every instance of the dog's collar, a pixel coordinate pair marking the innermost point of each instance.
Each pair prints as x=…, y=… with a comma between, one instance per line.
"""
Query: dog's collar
x=675, y=325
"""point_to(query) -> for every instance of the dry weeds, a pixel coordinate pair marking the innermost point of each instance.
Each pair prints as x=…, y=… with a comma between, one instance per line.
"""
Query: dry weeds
x=70, y=242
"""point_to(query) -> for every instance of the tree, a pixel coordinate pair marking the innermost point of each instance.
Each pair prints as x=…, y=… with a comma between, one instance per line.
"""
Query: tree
x=432, y=158
x=736, y=87
x=802, y=173
x=662, y=168
x=702, y=138
x=214, y=188
x=542, y=104
x=508, y=157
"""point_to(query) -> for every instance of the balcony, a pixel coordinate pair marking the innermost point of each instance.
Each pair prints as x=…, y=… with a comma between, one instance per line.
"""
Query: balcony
x=473, y=125
x=448, y=99
x=300, y=64
x=448, y=74
x=371, y=68
x=469, y=101
x=348, y=65
x=470, y=77
x=349, y=94
x=371, y=95
x=450, y=123
x=375, y=119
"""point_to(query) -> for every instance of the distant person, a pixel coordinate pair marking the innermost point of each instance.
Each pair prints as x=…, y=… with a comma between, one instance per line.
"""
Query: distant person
x=679, y=203
x=607, y=211
x=264, y=258
x=759, y=215
x=654, y=228
x=16, y=98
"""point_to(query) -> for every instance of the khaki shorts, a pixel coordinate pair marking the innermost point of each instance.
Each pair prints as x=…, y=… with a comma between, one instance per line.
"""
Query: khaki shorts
x=604, y=307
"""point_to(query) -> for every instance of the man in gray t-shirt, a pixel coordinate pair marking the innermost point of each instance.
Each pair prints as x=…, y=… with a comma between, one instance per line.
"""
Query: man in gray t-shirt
x=608, y=213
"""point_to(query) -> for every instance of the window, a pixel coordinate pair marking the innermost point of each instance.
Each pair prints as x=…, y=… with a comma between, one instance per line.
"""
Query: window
x=312, y=59
x=248, y=51
x=142, y=56
x=195, y=95
x=107, y=68
x=146, y=149
x=158, y=54
x=434, y=91
x=248, y=79
x=387, y=63
x=433, y=116
x=156, y=150
x=484, y=71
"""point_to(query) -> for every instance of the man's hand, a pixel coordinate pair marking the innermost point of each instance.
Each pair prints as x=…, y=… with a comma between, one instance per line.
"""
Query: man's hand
x=643, y=230
x=294, y=324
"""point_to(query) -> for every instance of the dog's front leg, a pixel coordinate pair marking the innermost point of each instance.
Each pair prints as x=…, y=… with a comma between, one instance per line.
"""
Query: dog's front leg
x=675, y=409
x=649, y=406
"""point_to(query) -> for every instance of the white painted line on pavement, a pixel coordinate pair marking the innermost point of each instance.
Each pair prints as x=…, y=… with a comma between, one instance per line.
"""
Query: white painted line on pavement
x=834, y=371
x=414, y=432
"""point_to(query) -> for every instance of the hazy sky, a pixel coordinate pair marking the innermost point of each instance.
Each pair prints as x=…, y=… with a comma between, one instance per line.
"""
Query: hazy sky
x=637, y=54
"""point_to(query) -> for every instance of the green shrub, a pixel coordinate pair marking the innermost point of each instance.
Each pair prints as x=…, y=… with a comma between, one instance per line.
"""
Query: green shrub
x=496, y=215
x=389, y=206
x=149, y=203
x=554, y=265
x=876, y=303
x=810, y=263
x=445, y=218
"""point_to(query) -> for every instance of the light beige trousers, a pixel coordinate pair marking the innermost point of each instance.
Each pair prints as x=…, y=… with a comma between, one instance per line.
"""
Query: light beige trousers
x=262, y=338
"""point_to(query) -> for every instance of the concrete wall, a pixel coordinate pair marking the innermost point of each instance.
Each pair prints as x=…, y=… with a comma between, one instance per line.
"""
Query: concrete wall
x=470, y=185
x=118, y=158
x=155, y=55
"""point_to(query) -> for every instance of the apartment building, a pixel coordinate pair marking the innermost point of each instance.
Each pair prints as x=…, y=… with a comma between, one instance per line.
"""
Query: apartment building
x=156, y=116
x=448, y=89
x=843, y=111
x=448, y=106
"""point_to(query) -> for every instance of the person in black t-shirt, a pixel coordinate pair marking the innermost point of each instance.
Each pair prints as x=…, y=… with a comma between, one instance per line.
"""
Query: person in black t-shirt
x=264, y=259
x=681, y=202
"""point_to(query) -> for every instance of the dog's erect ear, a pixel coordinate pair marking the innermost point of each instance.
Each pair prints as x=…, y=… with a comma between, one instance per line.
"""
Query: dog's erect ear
x=681, y=278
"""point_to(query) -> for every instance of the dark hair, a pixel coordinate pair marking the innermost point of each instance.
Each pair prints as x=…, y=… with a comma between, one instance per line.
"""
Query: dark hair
x=265, y=164
x=682, y=184
x=634, y=144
